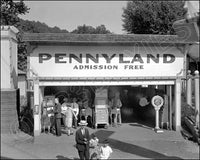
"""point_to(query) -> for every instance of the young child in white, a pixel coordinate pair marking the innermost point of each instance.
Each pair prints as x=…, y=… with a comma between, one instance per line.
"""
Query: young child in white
x=105, y=150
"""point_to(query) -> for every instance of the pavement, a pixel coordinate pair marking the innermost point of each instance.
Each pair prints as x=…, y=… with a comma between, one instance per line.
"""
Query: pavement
x=129, y=141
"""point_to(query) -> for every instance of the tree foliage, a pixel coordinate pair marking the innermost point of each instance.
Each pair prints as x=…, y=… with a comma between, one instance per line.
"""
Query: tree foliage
x=38, y=27
x=152, y=17
x=84, y=29
x=11, y=10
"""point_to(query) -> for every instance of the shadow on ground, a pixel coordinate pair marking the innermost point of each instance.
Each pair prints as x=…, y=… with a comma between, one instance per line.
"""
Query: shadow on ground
x=130, y=148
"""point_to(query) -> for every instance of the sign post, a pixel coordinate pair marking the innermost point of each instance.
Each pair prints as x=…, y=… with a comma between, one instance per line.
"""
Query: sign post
x=157, y=102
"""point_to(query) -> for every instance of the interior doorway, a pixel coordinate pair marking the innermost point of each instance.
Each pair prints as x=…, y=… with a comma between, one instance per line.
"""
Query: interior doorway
x=136, y=100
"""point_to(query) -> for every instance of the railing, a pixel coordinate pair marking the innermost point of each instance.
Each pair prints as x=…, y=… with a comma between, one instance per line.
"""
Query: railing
x=192, y=114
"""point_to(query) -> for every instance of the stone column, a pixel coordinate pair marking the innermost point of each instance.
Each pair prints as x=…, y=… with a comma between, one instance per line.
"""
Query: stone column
x=9, y=82
x=36, y=109
x=178, y=104
x=9, y=70
x=189, y=88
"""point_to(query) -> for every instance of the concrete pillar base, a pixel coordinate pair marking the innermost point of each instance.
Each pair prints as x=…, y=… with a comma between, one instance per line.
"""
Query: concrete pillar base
x=36, y=133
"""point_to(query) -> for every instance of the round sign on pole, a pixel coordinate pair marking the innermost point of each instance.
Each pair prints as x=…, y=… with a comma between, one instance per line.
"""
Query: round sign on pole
x=157, y=101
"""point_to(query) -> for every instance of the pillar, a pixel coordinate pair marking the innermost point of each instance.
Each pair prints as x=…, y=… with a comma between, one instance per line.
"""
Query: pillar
x=196, y=93
x=178, y=105
x=189, y=88
x=9, y=107
x=36, y=113
x=9, y=69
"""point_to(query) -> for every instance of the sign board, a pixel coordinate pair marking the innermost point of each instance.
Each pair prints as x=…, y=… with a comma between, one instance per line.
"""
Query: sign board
x=106, y=61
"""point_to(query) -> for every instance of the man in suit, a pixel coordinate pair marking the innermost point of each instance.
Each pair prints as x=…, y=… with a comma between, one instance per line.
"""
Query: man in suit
x=57, y=112
x=82, y=138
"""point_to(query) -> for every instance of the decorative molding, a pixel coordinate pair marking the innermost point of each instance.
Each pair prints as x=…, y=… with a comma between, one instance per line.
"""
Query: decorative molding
x=30, y=48
x=10, y=28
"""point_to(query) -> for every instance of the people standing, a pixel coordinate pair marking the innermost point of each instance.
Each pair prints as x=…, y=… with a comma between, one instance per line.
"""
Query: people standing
x=69, y=113
x=64, y=107
x=45, y=120
x=105, y=150
x=82, y=138
x=75, y=108
x=57, y=115
x=117, y=104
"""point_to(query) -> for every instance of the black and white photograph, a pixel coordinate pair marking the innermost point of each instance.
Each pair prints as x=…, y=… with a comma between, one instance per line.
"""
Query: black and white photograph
x=96, y=80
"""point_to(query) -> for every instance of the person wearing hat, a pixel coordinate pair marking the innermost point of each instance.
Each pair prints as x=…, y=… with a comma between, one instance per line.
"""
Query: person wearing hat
x=105, y=150
x=82, y=138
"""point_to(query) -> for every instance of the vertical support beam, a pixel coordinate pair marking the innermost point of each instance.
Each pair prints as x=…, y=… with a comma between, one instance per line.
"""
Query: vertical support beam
x=169, y=93
x=178, y=104
x=189, y=88
x=36, y=109
x=196, y=84
x=170, y=106
x=41, y=97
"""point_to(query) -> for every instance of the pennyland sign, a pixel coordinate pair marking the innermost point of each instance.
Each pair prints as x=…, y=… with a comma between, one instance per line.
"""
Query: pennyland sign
x=109, y=62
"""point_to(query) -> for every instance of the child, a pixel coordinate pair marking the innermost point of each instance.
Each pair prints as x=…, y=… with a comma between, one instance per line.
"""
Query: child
x=94, y=147
x=105, y=150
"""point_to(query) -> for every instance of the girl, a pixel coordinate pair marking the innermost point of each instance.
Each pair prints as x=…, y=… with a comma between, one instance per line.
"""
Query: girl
x=94, y=147
x=45, y=120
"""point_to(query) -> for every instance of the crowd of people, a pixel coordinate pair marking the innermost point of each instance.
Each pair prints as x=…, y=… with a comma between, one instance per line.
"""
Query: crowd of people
x=71, y=114
x=71, y=111
x=65, y=113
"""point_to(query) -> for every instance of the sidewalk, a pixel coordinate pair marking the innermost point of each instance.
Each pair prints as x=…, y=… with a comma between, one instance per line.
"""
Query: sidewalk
x=129, y=141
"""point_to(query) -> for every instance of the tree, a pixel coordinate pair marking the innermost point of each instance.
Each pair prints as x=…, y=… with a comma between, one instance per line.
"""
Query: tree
x=101, y=30
x=10, y=11
x=84, y=29
x=38, y=27
x=152, y=17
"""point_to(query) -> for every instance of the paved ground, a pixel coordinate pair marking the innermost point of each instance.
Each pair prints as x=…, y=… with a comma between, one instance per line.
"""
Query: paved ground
x=129, y=141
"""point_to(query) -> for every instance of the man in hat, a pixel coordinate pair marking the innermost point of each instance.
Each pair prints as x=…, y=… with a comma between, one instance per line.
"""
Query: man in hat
x=82, y=138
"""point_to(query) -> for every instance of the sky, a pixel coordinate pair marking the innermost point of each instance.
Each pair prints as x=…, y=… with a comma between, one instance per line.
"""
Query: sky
x=71, y=14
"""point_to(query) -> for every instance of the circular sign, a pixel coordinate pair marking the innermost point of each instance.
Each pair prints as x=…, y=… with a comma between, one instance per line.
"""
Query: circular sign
x=157, y=101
